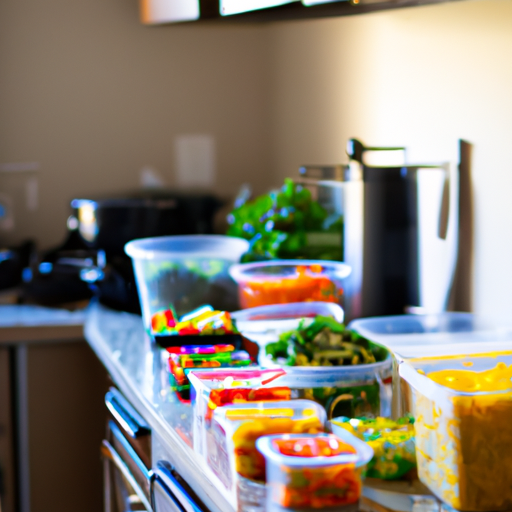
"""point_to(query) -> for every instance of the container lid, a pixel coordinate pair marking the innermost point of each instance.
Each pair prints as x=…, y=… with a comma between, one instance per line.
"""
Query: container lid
x=410, y=371
x=268, y=449
x=286, y=269
x=246, y=377
x=186, y=246
x=312, y=376
x=264, y=324
x=450, y=333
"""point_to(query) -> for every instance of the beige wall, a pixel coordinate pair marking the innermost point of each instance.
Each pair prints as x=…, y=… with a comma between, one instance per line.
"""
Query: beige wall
x=422, y=77
x=93, y=96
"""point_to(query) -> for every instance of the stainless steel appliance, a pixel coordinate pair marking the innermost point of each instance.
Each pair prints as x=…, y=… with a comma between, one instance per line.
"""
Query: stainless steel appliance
x=92, y=260
x=400, y=229
x=126, y=456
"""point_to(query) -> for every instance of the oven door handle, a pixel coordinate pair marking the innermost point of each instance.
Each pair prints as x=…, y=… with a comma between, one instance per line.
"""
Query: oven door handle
x=174, y=489
x=108, y=451
x=129, y=419
x=116, y=432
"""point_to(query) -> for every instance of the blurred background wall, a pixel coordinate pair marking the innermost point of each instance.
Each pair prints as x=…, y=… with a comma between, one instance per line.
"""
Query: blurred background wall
x=92, y=96
x=421, y=77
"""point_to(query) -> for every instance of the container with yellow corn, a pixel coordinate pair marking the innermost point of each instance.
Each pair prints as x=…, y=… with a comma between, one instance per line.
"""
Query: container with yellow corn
x=463, y=411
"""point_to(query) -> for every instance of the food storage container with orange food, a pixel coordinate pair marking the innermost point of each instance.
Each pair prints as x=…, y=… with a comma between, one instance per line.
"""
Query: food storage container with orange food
x=221, y=387
x=463, y=411
x=307, y=472
x=231, y=440
x=284, y=281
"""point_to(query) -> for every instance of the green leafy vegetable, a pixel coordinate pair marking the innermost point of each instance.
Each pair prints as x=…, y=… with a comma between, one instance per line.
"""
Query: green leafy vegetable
x=324, y=342
x=277, y=225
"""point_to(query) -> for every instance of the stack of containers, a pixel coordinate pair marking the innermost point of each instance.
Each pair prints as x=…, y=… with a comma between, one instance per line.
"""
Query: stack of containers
x=231, y=441
x=218, y=387
x=462, y=428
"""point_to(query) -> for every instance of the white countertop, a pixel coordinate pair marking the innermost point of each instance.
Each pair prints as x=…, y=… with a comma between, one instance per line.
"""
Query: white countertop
x=32, y=324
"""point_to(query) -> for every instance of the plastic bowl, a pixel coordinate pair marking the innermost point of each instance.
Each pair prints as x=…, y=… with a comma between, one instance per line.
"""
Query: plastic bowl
x=306, y=483
x=285, y=281
x=185, y=272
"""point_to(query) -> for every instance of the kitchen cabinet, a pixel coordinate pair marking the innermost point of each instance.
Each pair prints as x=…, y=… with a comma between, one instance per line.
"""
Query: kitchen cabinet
x=126, y=453
x=51, y=415
x=154, y=12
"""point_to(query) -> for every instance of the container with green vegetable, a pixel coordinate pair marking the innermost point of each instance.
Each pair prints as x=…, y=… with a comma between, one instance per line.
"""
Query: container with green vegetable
x=342, y=371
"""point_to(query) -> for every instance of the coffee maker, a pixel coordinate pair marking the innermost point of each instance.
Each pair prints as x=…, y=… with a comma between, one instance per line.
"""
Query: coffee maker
x=400, y=229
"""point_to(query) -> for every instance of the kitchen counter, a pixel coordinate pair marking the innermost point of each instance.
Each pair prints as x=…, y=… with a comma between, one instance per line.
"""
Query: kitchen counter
x=35, y=324
x=48, y=377
x=138, y=369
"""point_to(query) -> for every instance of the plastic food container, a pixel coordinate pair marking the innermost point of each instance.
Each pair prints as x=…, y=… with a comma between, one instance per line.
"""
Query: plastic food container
x=299, y=478
x=264, y=324
x=362, y=390
x=219, y=356
x=359, y=390
x=392, y=443
x=185, y=271
x=285, y=281
x=231, y=441
x=410, y=336
x=221, y=387
x=463, y=439
x=450, y=333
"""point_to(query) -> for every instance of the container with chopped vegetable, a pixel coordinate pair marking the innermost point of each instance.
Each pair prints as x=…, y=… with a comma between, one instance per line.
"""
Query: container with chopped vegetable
x=392, y=442
x=324, y=361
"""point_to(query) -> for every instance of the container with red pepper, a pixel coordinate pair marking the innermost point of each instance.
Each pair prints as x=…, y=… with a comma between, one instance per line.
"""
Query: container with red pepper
x=231, y=440
x=227, y=386
x=310, y=472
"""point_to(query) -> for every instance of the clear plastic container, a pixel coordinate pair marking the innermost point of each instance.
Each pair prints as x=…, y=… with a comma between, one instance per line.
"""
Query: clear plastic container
x=448, y=333
x=361, y=390
x=329, y=482
x=392, y=442
x=264, y=324
x=463, y=439
x=451, y=333
x=185, y=271
x=231, y=441
x=204, y=382
x=284, y=281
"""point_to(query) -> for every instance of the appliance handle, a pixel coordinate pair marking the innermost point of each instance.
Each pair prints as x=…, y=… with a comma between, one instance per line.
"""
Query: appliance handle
x=174, y=489
x=131, y=421
x=356, y=149
x=116, y=432
x=446, y=214
x=109, y=453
